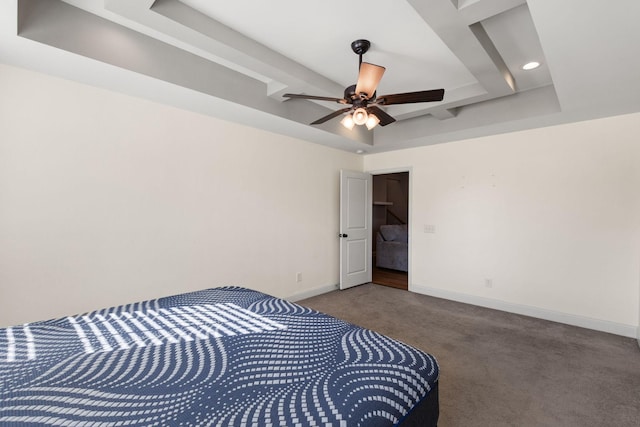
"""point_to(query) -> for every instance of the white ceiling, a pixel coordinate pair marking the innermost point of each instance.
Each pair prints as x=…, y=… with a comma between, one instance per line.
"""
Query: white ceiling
x=322, y=44
x=234, y=60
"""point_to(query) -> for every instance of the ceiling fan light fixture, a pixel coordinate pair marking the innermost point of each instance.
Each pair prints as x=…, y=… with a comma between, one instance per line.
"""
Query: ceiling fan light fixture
x=348, y=122
x=372, y=121
x=363, y=99
x=360, y=116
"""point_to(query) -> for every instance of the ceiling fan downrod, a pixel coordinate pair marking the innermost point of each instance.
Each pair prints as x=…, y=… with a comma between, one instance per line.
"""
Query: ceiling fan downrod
x=360, y=47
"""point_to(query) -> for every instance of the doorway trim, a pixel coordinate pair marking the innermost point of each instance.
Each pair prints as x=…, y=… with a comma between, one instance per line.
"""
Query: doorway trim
x=409, y=170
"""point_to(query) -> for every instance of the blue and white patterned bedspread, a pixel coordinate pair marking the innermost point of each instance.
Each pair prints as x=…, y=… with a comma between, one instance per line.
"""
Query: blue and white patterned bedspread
x=220, y=357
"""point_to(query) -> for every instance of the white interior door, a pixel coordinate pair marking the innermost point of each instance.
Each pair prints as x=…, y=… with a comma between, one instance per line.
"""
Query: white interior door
x=356, y=189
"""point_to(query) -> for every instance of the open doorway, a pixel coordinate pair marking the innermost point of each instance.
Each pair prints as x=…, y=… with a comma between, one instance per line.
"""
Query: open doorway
x=390, y=225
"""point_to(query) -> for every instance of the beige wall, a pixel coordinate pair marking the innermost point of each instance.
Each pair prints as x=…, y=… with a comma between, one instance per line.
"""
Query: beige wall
x=550, y=216
x=107, y=199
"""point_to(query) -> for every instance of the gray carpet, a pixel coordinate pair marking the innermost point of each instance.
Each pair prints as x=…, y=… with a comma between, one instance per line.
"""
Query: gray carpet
x=501, y=369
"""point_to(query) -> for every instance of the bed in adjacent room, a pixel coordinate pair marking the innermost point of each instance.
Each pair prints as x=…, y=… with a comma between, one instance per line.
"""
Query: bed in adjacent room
x=219, y=357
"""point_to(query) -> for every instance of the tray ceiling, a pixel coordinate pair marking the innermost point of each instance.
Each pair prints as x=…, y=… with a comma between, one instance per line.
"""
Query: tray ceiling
x=234, y=60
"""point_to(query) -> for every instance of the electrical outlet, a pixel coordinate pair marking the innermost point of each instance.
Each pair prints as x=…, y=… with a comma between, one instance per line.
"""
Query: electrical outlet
x=298, y=277
x=488, y=283
x=429, y=228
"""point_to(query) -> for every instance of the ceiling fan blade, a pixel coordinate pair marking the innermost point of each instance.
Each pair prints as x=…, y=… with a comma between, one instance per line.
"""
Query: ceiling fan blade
x=330, y=116
x=368, y=79
x=412, y=97
x=318, y=98
x=385, y=119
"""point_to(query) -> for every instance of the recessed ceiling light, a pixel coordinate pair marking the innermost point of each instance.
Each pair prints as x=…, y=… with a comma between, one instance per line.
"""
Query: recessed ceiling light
x=530, y=65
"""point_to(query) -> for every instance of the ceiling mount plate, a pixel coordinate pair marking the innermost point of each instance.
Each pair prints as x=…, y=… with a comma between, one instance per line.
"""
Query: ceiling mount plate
x=361, y=46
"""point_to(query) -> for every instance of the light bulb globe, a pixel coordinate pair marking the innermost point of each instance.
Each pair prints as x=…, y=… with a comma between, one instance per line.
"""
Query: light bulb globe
x=347, y=122
x=372, y=121
x=360, y=116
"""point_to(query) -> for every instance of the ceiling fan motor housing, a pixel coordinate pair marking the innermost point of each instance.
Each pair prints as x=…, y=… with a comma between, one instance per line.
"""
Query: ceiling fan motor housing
x=357, y=100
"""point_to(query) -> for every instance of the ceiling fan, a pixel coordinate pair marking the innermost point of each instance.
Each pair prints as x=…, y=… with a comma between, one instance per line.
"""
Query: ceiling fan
x=363, y=98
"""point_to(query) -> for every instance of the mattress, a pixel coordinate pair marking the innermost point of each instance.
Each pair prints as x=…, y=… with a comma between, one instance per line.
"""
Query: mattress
x=218, y=357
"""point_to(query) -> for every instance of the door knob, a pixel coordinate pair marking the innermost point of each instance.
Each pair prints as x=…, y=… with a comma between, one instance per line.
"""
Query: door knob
x=343, y=235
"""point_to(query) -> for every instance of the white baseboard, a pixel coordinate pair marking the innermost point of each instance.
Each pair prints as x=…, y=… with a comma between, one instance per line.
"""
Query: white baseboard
x=298, y=296
x=526, y=310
